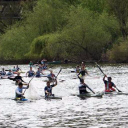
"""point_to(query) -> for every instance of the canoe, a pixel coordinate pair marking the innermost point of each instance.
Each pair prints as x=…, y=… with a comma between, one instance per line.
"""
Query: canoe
x=54, y=62
x=87, y=95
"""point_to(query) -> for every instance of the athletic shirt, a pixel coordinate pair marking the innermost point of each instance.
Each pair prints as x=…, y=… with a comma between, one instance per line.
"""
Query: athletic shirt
x=17, y=68
x=42, y=62
x=9, y=74
x=40, y=68
x=38, y=74
x=51, y=76
x=82, y=89
x=30, y=73
x=19, y=91
x=18, y=78
x=3, y=73
x=83, y=72
x=77, y=70
x=108, y=85
x=44, y=67
x=14, y=70
x=48, y=89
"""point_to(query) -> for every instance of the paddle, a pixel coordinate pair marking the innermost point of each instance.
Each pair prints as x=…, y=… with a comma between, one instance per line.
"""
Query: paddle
x=6, y=70
x=104, y=74
x=59, y=72
x=89, y=88
x=99, y=68
x=118, y=89
x=29, y=83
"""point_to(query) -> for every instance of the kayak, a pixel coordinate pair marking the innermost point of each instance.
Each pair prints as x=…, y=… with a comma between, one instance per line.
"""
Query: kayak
x=18, y=72
x=19, y=100
x=116, y=93
x=87, y=95
x=36, y=76
x=74, y=71
x=54, y=62
x=6, y=77
x=52, y=97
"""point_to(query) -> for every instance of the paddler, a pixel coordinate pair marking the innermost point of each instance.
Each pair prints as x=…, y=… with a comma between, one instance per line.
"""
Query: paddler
x=31, y=64
x=51, y=76
x=17, y=68
x=44, y=66
x=19, y=91
x=77, y=69
x=82, y=65
x=30, y=73
x=48, y=89
x=17, y=78
x=109, y=84
x=3, y=73
x=82, y=73
x=83, y=87
x=10, y=74
x=14, y=69
x=38, y=73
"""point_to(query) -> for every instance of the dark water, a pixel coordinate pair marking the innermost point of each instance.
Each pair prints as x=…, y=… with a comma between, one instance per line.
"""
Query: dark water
x=111, y=111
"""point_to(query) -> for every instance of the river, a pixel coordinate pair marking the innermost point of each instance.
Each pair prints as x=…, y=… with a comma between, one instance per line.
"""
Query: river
x=110, y=111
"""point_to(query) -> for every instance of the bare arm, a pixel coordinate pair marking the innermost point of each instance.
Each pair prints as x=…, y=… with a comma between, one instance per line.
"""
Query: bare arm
x=104, y=77
x=55, y=82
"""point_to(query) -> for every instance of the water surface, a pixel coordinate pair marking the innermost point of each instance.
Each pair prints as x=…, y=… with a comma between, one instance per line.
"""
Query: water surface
x=111, y=111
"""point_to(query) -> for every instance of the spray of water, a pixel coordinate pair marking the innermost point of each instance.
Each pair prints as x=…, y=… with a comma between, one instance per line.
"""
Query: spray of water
x=31, y=92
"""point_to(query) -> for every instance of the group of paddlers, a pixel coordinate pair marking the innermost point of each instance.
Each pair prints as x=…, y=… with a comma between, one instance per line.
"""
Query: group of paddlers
x=52, y=80
x=109, y=85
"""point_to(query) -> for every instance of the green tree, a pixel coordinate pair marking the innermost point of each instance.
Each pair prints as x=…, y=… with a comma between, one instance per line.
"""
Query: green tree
x=46, y=17
x=120, y=9
x=119, y=52
x=86, y=34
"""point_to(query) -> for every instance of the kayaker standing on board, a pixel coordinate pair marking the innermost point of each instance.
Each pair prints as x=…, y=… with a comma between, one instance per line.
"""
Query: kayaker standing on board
x=83, y=87
x=109, y=84
x=19, y=91
x=48, y=89
x=82, y=73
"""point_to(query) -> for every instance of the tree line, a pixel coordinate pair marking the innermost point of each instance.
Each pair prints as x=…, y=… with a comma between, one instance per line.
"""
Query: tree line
x=68, y=29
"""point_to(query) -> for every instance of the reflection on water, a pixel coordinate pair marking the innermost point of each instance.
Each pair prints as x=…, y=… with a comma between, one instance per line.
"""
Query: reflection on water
x=111, y=111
